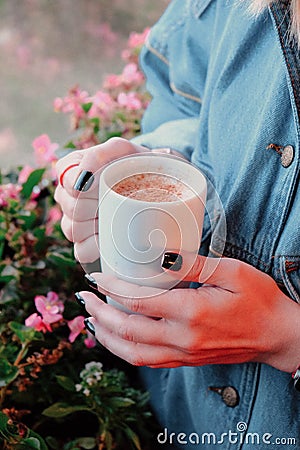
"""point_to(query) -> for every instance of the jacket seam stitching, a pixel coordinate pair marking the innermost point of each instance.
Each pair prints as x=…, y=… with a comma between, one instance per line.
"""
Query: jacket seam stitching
x=185, y=94
x=290, y=72
x=156, y=52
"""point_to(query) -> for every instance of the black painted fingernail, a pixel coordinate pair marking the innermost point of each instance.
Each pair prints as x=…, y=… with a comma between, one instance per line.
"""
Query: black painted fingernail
x=172, y=261
x=89, y=326
x=84, y=181
x=79, y=299
x=101, y=296
x=91, y=281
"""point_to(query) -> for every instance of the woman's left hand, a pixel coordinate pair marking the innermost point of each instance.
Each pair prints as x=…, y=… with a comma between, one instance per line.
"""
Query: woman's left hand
x=238, y=315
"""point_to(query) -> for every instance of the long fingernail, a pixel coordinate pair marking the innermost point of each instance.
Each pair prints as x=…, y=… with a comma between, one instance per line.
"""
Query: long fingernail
x=172, y=261
x=84, y=181
x=89, y=326
x=91, y=281
x=79, y=299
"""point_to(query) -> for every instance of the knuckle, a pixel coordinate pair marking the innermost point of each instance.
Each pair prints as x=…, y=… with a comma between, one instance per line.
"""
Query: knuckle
x=191, y=318
x=133, y=304
x=117, y=141
x=56, y=194
x=234, y=267
x=193, y=343
x=136, y=359
x=195, y=269
x=67, y=228
x=69, y=207
x=125, y=333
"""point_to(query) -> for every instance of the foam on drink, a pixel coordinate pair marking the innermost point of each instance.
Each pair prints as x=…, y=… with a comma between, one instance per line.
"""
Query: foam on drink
x=153, y=187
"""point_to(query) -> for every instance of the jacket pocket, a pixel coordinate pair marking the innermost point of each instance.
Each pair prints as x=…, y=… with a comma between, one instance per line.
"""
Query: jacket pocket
x=290, y=273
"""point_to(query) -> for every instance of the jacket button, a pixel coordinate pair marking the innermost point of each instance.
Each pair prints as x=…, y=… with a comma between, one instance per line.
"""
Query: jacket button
x=287, y=155
x=229, y=395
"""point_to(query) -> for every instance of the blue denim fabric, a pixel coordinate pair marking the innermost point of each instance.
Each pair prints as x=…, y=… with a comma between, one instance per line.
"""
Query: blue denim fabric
x=225, y=86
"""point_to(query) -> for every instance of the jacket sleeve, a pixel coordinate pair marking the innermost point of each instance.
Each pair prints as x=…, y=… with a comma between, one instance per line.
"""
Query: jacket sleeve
x=172, y=117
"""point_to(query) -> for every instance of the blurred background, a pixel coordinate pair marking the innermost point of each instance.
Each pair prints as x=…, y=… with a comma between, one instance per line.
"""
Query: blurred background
x=47, y=47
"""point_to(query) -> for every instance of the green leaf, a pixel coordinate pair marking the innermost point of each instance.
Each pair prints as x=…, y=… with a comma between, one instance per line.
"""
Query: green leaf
x=120, y=402
x=61, y=260
x=33, y=442
x=87, y=443
x=2, y=246
x=66, y=382
x=133, y=437
x=4, y=432
x=86, y=107
x=8, y=372
x=25, y=334
x=40, y=232
x=96, y=122
x=112, y=134
x=10, y=432
x=28, y=218
x=6, y=278
x=108, y=440
x=70, y=144
x=33, y=179
x=58, y=410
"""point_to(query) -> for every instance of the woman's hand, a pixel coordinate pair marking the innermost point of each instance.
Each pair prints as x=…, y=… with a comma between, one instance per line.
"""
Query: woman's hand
x=238, y=315
x=77, y=193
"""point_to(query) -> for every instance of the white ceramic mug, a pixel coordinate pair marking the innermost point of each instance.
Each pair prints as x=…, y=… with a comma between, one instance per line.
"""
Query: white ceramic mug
x=135, y=234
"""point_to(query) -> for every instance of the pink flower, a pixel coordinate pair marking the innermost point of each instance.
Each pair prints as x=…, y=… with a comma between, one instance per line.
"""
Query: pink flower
x=58, y=104
x=138, y=39
x=54, y=216
x=112, y=81
x=49, y=307
x=44, y=150
x=103, y=105
x=7, y=192
x=76, y=326
x=129, y=101
x=126, y=54
x=90, y=342
x=72, y=103
x=24, y=174
x=132, y=75
x=35, y=321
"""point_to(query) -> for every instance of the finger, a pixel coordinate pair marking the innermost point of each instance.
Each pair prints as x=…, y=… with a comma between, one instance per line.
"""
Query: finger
x=201, y=269
x=67, y=167
x=87, y=251
x=149, y=301
x=78, y=231
x=85, y=177
x=72, y=158
x=204, y=358
x=76, y=208
x=131, y=327
x=61, y=193
x=134, y=353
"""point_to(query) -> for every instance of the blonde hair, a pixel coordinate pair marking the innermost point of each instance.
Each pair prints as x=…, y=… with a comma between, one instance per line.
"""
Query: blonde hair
x=257, y=6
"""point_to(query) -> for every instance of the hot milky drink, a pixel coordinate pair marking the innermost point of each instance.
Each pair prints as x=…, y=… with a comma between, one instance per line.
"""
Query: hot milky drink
x=153, y=187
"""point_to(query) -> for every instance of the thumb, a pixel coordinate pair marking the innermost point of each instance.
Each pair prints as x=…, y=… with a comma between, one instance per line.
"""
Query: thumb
x=190, y=267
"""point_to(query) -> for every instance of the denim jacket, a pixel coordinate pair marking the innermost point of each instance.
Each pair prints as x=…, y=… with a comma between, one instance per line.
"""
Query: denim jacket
x=226, y=93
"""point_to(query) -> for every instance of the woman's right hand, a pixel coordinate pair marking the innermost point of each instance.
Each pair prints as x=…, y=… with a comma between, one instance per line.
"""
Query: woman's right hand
x=77, y=193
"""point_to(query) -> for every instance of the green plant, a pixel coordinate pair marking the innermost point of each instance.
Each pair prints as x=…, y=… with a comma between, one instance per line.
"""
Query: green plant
x=54, y=391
